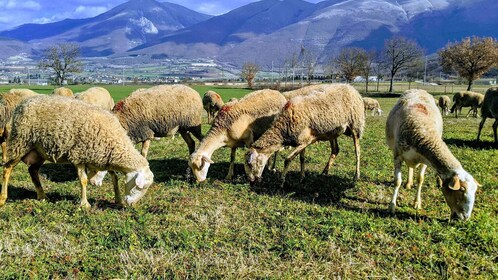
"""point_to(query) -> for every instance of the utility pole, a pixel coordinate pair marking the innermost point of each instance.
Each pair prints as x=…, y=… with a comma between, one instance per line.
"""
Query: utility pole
x=29, y=77
x=122, y=77
x=425, y=70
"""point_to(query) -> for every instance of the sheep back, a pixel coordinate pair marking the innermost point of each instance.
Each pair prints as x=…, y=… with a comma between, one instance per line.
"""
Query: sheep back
x=9, y=101
x=63, y=91
x=63, y=129
x=96, y=96
x=155, y=111
x=468, y=99
x=444, y=101
x=261, y=106
x=370, y=103
x=336, y=110
x=490, y=104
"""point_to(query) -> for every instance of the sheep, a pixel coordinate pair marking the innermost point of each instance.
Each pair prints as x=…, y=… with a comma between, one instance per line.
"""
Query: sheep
x=59, y=129
x=96, y=96
x=467, y=99
x=160, y=111
x=212, y=103
x=414, y=132
x=489, y=110
x=8, y=103
x=444, y=103
x=237, y=124
x=323, y=115
x=373, y=105
x=63, y=91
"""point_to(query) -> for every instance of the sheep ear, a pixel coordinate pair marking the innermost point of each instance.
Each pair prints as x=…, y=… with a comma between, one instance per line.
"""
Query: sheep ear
x=454, y=183
x=251, y=158
x=477, y=183
x=206, y=159
x=439, y=181
x=140, y=181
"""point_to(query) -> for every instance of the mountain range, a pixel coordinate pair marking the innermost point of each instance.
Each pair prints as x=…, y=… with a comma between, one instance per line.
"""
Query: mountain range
x=265, y=32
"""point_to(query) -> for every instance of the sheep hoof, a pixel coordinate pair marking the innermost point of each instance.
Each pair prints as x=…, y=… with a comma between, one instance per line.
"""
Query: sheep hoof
x=408, y=186
x=85, y=205
x=392, y=207
x=41, y=196
x=417, y=205
x=229, y=177
x=3, y=200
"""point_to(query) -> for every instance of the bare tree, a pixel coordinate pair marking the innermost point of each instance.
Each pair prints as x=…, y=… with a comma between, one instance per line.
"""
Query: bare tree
x=248, y=73
x=350, y=62
x=413, y=70
x=399, y=53
x=293, y=62
x=471, y=57
x=309, y=62
x=370, y=58
x=62, y=59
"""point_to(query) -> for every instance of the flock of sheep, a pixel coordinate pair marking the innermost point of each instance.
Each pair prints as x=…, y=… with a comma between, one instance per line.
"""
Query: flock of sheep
x=96, y=136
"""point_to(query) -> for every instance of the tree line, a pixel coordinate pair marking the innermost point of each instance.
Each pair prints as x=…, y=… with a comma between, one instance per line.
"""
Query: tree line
x=469, y=58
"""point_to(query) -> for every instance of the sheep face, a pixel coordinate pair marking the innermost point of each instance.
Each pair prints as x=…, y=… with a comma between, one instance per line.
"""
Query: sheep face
x=137, y=183
x=200, y=166
x=459, y=195
x=254, y=164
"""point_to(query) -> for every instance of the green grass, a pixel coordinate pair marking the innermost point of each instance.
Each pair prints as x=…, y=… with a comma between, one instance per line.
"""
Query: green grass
x=324, y=227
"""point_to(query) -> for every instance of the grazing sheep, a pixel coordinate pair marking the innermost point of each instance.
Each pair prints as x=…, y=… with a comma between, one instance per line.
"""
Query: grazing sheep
x=8, y=103
x=414, y=132
x=467, y=99
x=96, y=96
x=63, y=91
x=60, y=129
x=489, y=110
x=237, y=124
x=159, y=112
x=212, y=103
x=372, y=105
x=321, y=116
x=233, y=99
x=444, y=103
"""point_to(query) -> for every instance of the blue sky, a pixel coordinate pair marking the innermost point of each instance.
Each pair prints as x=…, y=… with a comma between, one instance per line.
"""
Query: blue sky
x=17, y=12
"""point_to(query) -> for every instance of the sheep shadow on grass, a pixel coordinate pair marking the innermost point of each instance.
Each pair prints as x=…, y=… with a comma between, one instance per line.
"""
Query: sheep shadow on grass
x=481, y=145
x=21, y=193
x=59, y=173
x=169, y=168
x=314, y=188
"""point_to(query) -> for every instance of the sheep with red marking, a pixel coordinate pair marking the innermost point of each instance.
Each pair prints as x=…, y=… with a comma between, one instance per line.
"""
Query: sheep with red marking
x=320, y=116
x=237, y=124
x=414, y=131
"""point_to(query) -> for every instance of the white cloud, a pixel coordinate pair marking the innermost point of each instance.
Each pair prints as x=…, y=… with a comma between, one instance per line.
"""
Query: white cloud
x=89, y=11
x=12, y=4
x=211, y=9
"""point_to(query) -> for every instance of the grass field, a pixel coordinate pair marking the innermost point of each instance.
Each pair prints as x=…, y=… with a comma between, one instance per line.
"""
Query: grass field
x=325, y=227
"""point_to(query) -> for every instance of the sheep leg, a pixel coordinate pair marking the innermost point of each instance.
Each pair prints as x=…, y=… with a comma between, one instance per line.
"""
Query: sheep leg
x=117, y=193
x=495, y=125
x=7, y=170
x=84, y=182
x=356, y=141
x=289, y=159
x=232, y=164
x=34, y=172
x=409, y=182
x=397, y=183
x=190, y=142
x=302, y=157
x=145, y=148
x=471, y=110
x=418, y=200
x=334, y=151
x=4, y=151
x=273, y=162
x=481, y=124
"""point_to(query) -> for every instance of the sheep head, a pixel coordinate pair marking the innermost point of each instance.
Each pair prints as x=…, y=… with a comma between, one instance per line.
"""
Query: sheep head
x=137, y=183
x=459, y=192
x=200, y=165
x=254, y=165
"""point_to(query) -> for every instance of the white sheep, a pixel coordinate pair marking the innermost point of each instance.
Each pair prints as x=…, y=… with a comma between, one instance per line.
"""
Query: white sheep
x=414, y=131
x=236, y=124
x=60, y=129
x=8, y=103
x=467, y=99
x=320, y=116
x=444, y=103
x=96, y=96
x=212, y=103
x=489, y=110
x=372, y=105
x=160, y=111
